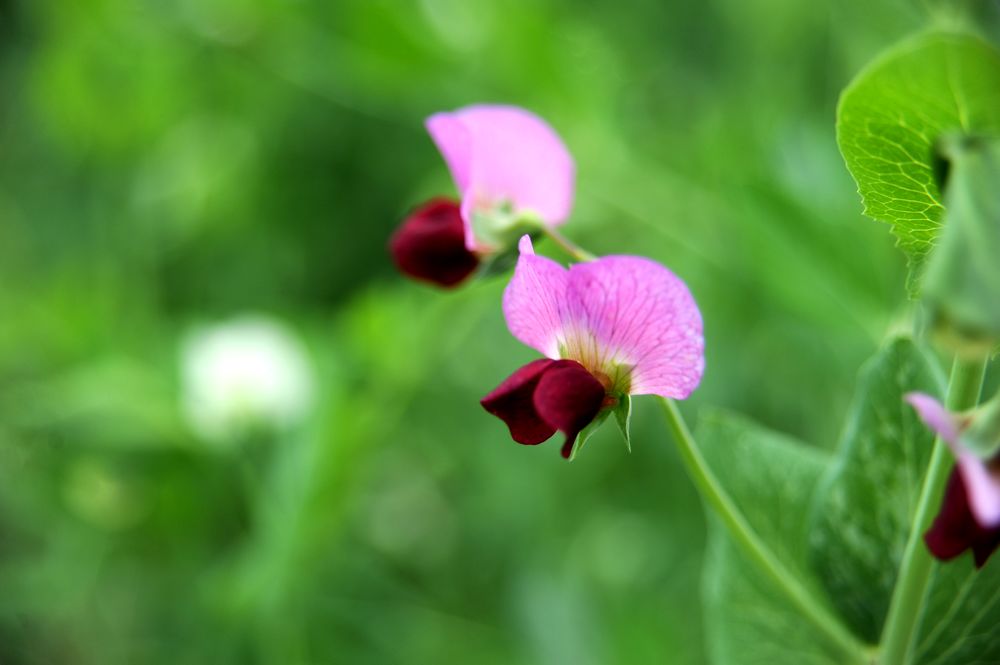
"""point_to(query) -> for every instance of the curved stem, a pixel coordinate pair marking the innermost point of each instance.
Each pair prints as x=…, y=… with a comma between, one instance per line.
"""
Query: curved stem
x=744, y=535
x=567, y=245
x=737, y=525
x=915, y=569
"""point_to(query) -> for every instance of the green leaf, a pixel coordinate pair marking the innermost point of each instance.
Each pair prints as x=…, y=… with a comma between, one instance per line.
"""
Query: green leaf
x=771, y=478
x=588, y=432
x=623, y=416
x=894, y=111
x=963, y=611
x=498, y=264
x=866, y=501
x=863, y=515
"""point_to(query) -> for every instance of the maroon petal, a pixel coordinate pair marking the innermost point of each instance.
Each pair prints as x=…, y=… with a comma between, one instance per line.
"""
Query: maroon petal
x=568, y=397
x=955, y=530
x=984, y=548
x=951, y=532
x=430, y=244
x=512, y=403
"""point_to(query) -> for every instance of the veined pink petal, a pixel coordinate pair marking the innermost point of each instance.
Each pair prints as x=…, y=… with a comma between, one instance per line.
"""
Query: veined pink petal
x=618, y=310
x=505, y=154
x=533, y=301
x=982, y=486
x=641, y=315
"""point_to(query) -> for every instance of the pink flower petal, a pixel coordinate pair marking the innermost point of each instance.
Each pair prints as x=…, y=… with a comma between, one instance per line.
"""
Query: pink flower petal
x=641, y=315
x=935, y=416
x=618, y=310
x=533, y=301
x=505, y=154
x=982, y=486
x=454, y=141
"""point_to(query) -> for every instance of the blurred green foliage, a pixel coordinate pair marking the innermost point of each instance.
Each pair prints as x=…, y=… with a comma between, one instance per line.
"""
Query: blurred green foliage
x=165, y=165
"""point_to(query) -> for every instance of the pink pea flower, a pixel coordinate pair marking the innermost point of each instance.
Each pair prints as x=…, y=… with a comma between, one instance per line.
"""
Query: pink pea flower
x=617, y=326
x=511, y=169
x=970, y=511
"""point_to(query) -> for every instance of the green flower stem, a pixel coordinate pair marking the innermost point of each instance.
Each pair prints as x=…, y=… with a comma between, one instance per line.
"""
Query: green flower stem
x=915, y=569
x=567, y=245
x=743, y=534
x=741, y=531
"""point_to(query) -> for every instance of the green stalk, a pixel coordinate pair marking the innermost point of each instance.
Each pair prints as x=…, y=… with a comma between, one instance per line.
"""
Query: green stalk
x=744, y=535
x=567, y=245
x=739, y=529
x=915, y=569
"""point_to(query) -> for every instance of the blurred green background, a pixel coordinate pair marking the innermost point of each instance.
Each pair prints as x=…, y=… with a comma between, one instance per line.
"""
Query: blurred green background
x=167, y=167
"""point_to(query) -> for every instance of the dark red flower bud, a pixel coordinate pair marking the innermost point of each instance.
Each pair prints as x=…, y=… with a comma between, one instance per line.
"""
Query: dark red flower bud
x=430, y=244
x=955, y=529
x=545, y=396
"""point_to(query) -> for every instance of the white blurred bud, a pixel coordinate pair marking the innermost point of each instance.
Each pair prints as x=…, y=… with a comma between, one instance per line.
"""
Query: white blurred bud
x=242, y=374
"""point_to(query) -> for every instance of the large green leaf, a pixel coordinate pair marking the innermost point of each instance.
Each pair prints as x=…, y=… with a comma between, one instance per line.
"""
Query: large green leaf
x=863, y=513
x=963, y=612
x=771, y=478
x=895, y=110
x=866, y=501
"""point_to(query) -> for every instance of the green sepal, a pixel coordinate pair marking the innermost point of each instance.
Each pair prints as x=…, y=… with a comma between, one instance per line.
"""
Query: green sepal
x=983, y=434
x=620, y=376
x=961, y=286
x=498, y=232
x=588, y=432
x=499, y=229
x=499, y=263
x=623, y=416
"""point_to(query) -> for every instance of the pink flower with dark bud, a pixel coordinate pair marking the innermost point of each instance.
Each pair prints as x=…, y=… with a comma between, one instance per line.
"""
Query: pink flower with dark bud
x=617, y=326
x=970, y=512
x=512, y=171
